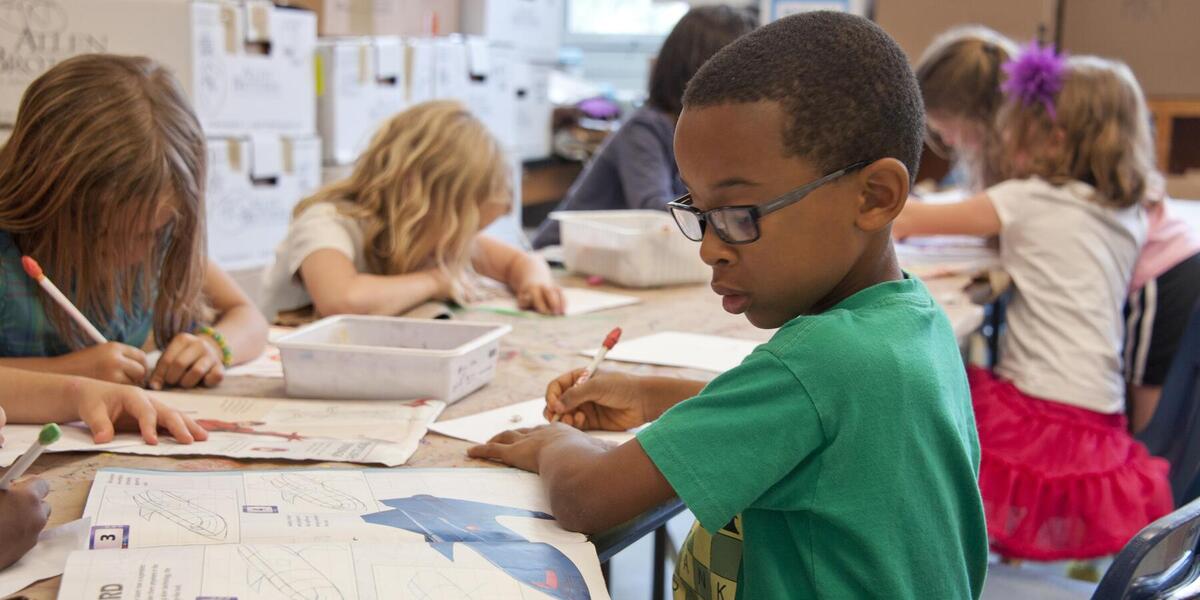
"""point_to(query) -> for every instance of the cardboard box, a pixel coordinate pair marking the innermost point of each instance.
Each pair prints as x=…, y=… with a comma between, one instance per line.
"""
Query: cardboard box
x=451, y=67
x=421, y=66
x=491, y=95
x=247, y=66
x=535, y=111
x=532, y=27
x=1156, y=38
x=383, y=17
x=915, y=23
x=253, y=185
x=362, y=84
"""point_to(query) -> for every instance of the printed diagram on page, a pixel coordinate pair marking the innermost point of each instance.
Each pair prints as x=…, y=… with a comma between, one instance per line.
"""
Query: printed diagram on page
x=434, y=533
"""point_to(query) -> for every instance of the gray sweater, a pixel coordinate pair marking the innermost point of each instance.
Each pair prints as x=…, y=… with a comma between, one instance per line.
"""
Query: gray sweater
x=635, y=168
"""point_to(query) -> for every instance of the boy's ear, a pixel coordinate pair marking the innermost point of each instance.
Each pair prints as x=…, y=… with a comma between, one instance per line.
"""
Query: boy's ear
x=884, y=192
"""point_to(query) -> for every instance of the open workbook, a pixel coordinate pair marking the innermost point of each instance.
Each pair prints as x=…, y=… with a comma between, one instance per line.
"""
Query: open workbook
x=327, y=534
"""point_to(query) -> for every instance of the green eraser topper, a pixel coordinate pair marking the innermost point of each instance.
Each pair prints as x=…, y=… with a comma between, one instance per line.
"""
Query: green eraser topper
x=49, y=434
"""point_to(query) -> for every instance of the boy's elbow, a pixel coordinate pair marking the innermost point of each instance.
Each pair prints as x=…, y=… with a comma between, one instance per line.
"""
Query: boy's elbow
x=577, y=507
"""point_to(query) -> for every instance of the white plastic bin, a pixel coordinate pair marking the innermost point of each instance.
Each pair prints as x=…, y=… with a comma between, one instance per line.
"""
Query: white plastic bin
x=389, y=358
x=633, y=248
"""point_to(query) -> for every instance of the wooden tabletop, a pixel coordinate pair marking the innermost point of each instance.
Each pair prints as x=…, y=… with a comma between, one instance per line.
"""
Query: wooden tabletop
x=538, y=349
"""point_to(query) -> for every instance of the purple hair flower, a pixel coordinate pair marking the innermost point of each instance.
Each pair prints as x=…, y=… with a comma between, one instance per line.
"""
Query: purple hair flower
x=1035, y=76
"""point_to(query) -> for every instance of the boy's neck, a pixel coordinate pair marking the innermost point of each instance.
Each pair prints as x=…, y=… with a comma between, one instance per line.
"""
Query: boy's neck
x=876, y=265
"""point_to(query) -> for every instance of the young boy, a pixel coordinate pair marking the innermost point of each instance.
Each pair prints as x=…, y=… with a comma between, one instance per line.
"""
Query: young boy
x=839, y=459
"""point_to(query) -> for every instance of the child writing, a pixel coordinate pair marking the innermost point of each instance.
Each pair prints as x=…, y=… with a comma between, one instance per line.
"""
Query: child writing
x=960, y=76
x=404, y=228
x=102, y=182
x=635, y=168
x=1060, y=477
x=817, y=466
x=23, y=514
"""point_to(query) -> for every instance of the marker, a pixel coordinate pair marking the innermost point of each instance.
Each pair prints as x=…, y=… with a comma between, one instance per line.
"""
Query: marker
x=613, y=337
x=48, y=435
x=34, y=270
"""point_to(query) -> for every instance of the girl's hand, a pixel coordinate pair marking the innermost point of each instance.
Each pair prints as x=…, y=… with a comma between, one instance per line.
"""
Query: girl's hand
x=106, y=408
x=542, y=296
x=608, y=400
x=188, y=361
x=112, y=361
x=23, y=514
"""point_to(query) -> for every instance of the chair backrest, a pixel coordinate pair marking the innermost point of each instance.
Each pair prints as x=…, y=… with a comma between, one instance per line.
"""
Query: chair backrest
x=1161, y=561
x=1174, y=431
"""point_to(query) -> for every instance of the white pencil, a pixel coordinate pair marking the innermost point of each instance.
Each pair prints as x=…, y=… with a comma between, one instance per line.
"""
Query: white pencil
x=48, y=435
x=34, y=270
x=609, y=342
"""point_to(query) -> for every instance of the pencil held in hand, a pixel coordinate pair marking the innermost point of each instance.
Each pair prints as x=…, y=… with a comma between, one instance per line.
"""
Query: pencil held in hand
x=34, y=270
x=613, y=337
x=49, y=434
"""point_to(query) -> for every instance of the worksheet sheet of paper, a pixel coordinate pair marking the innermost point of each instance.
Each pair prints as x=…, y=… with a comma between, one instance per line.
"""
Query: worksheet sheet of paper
x=370, y=432
x=480, y=427
x=47, y=558
x=688, y=350
x=431, y=533
x=329, y=571
x=579, y=301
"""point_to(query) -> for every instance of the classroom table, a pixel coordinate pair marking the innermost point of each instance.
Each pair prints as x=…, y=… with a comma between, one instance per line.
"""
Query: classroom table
x=538, y=349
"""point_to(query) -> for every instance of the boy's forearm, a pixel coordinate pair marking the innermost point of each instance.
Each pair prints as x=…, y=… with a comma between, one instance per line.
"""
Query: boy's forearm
x=594, y=486
x=661, y=393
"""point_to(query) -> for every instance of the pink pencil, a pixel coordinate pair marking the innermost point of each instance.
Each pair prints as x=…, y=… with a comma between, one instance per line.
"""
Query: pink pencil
x=34, y=270
x=613, y=337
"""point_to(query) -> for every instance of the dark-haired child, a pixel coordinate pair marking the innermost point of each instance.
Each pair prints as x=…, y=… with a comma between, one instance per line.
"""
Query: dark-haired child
x=840, y=458
x=636, y=166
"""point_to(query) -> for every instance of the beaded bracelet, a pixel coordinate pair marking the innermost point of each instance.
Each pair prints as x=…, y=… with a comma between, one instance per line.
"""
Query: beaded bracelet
x=226, y=351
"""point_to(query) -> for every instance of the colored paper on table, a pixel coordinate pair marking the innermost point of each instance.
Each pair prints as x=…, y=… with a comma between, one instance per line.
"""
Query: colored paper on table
x=687, y=350
x=481, y=427
x=579, y=301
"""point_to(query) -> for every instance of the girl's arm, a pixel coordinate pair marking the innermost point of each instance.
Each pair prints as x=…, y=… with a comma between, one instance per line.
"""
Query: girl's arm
x=192, y=359
x=973, y=216
x=37, y=398
x=336, y=287
x=527, y=275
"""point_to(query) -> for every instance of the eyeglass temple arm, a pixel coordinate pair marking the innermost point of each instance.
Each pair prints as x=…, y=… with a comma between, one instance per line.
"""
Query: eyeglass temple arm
x=799, y=193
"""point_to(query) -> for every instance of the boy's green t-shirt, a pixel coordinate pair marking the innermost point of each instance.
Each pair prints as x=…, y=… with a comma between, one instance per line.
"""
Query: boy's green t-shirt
x=847, y=446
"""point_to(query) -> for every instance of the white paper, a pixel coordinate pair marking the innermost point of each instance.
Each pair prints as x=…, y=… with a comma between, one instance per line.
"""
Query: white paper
x=47, y=559
x=481, y=427
x=369, y=432
x=688, y=350
x=330, y=533
x=579, y=301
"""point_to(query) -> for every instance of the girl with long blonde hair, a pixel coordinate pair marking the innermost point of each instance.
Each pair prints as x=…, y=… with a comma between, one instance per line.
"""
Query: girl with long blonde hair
x=102, y=182
x=1060, y=475
x=404, y=227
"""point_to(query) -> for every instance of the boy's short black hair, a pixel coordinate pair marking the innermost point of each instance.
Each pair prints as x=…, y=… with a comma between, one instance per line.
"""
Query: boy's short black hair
x=844, y=84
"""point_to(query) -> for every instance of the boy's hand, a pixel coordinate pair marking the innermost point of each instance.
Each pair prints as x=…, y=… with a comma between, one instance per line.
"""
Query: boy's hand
x=188, y=361
x=113, y=361
x=23, y=515
x=542, y=296
x=105, y=407
x=609, y=401
x=520, y=448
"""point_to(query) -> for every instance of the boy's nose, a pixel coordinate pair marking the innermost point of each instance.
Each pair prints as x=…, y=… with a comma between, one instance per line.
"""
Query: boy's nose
x=713, y=251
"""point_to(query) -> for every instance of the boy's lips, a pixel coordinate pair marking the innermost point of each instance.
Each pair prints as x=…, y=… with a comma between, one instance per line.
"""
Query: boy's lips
x=732, y=300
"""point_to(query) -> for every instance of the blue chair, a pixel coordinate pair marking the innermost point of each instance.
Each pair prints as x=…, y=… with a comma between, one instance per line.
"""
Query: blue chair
x=1174, y=431
x=1159, y=562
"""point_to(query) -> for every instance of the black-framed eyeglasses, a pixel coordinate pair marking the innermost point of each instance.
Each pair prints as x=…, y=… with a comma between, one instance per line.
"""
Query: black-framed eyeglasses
x=739, y=224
